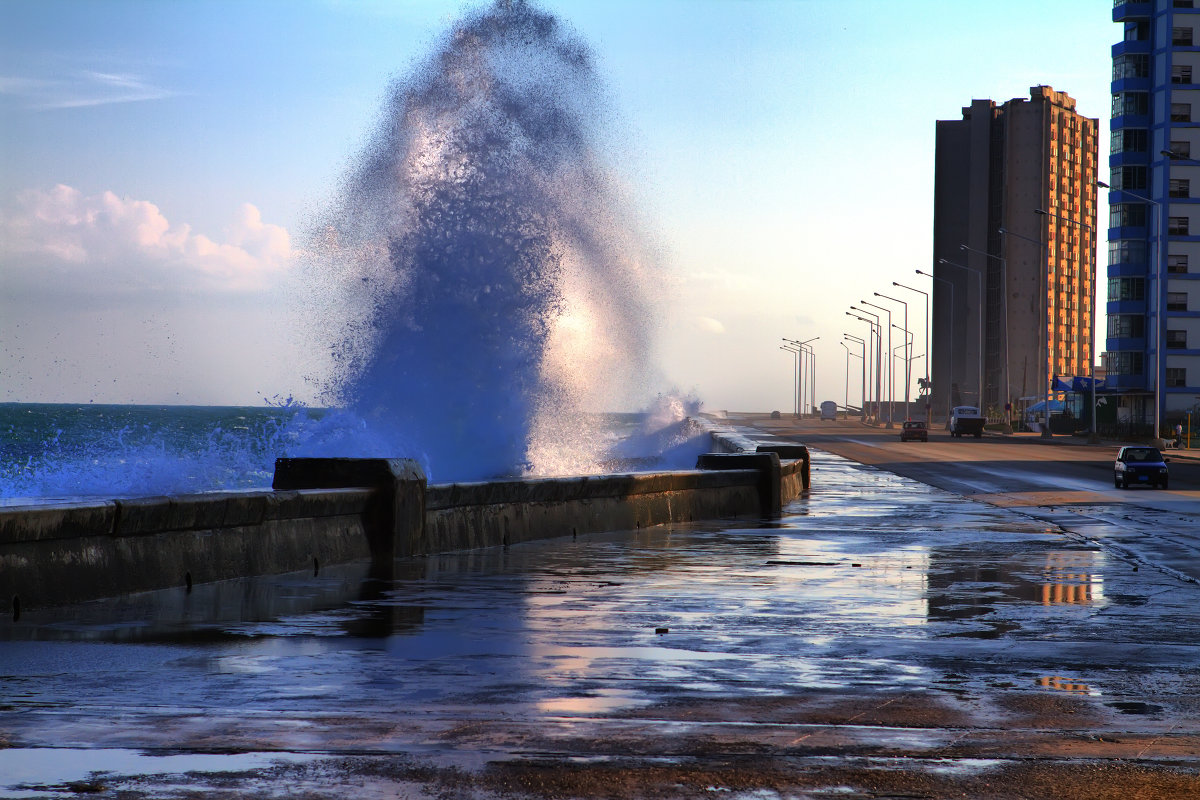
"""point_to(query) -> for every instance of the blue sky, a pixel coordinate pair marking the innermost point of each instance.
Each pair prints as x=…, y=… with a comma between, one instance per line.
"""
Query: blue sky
x=780, y=152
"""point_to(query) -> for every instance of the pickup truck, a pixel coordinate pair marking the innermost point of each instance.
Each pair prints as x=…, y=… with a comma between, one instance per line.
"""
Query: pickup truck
x=966, y=421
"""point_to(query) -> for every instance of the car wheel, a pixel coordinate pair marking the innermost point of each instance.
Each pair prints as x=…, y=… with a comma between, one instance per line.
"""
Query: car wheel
x=1163, y=485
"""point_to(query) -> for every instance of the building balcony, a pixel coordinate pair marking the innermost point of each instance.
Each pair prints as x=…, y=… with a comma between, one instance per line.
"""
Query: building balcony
x=1114, y=381
x=1129, y=158
x=1127, y=232
x=1126, y=306
x=1133, y=85
x=1128, y=48
x=1129, y=121
x=1131, y=9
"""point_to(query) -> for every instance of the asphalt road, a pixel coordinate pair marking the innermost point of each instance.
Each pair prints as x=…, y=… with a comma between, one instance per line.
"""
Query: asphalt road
x=1064, y=482
x=883, y=639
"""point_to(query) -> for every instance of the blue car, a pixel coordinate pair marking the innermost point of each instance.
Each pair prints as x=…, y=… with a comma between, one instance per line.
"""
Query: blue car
x=1144, y=466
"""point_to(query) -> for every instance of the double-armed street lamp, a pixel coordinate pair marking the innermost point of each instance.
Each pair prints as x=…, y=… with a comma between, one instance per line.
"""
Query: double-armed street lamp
x=950, y=363
x=891, y=376
x=874, y=355
x=863, y=394
x=907, y=354
x=795, y=378
x=928, y=404
x=810, y=374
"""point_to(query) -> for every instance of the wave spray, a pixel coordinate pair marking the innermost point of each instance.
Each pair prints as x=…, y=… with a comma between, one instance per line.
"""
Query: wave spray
x=486, y=278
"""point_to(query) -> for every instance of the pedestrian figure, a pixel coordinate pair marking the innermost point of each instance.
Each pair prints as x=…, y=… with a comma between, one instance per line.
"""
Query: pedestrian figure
x=1178, y=434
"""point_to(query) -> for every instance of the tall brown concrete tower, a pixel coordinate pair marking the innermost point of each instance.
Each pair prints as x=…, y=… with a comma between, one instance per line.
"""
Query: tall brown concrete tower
x=1014, y=251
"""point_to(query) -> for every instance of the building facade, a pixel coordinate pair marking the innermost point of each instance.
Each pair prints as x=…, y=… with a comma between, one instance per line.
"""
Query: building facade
x=1014, y=251
x=1153, y=344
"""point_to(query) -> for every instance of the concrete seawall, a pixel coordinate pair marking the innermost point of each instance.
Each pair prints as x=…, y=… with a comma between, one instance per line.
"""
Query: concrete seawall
x=332, y=511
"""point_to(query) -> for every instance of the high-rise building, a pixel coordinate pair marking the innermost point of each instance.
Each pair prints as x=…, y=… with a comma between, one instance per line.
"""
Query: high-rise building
x=1014, y=251
x=1153, y=345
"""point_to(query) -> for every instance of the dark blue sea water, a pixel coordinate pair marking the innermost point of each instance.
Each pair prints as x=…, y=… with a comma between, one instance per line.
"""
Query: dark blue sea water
x=61, y=451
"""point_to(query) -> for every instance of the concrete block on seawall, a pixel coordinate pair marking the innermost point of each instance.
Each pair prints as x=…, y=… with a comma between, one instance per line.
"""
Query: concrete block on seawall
x=767, y=465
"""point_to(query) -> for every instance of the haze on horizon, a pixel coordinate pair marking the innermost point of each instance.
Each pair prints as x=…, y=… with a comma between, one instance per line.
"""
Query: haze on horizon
x=163, y=164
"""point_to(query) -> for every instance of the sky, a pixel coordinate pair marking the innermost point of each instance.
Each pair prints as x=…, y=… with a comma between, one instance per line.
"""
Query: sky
x=160, y=163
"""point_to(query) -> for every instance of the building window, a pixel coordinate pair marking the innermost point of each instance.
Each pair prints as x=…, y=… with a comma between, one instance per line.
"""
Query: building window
x=1183, y=4
x=1176, y=376
x=1126, y=289
x=1125, y=178
x=1125, y=251
x=1177, y=301
x=1181, y=73
x=1176, y=340
x=1128, y=141
x=1124, y=363
x=1180, y=187
x=1181, y=112
x=1177, y=226
x=1131, y=65
x=1126, y=326
x=1181, y=37
x=1177, y=264
x=1121, y=215
x=1181, y=150
x=1126, y=103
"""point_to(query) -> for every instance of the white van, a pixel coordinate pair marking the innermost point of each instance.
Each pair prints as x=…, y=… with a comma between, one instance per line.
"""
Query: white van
x=828, y=410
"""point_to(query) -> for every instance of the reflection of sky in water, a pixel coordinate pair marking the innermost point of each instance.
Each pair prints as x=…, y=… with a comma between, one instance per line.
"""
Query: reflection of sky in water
x=26, y=769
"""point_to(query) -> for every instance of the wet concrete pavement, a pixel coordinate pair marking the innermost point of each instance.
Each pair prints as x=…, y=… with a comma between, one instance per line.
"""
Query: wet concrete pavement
x=885, y=638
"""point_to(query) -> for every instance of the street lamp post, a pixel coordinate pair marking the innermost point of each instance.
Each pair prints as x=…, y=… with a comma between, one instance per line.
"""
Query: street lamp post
x=1044, y=370
x=907, y=354
x=1004, y=301
x=1093, y=435
x=1159, y=291
x=863, y=394
x=928, y=403
x=979, y=280
x=950, y=363
x=795, y=379
x=813, y=357
x=875, y=355
x=846, y=400
x=891, y=368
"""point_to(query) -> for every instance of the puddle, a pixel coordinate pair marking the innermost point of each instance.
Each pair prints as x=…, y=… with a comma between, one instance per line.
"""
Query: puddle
x=46, y=772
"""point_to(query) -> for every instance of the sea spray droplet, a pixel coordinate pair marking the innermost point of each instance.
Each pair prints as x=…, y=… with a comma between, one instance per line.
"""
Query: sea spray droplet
x=488, y=281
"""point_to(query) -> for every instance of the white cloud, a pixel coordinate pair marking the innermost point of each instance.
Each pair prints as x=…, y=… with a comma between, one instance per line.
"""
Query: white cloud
x=81, y=89
x=61, y=239
x=709, y=325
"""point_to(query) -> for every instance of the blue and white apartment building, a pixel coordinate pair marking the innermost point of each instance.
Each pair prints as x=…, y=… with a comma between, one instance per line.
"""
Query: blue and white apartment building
x=1152, y=353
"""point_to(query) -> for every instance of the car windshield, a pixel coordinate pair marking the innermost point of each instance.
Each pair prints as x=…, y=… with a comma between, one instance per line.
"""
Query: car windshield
x=1136, y=454
x=913, y=424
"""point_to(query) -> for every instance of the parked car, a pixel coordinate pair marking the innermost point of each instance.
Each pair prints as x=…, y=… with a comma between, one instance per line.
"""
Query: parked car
x=914, y=430
x=1140, y=465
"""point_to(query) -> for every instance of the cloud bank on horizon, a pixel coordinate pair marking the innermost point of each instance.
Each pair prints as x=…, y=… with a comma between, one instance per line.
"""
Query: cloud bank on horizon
x=64, y=240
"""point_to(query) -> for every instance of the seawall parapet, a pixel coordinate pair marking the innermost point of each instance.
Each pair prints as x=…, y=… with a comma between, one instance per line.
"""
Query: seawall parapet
x=332, y=511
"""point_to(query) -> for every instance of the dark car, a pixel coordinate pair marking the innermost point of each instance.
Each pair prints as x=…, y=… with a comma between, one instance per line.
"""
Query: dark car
x=915, y=430
x=1140, y=465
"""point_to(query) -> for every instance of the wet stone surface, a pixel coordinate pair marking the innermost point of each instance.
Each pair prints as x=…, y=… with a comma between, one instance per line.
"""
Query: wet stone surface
x=884, y=636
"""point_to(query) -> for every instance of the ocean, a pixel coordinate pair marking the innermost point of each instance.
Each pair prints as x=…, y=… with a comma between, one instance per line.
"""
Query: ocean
x=80, y=451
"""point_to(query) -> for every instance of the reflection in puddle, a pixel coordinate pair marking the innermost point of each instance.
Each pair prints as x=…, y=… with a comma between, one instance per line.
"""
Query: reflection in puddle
x=38, y=772
x=1060, y=684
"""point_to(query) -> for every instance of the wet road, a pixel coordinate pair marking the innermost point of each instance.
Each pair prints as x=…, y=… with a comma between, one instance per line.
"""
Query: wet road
x=1066, y=484
x=885, y=638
